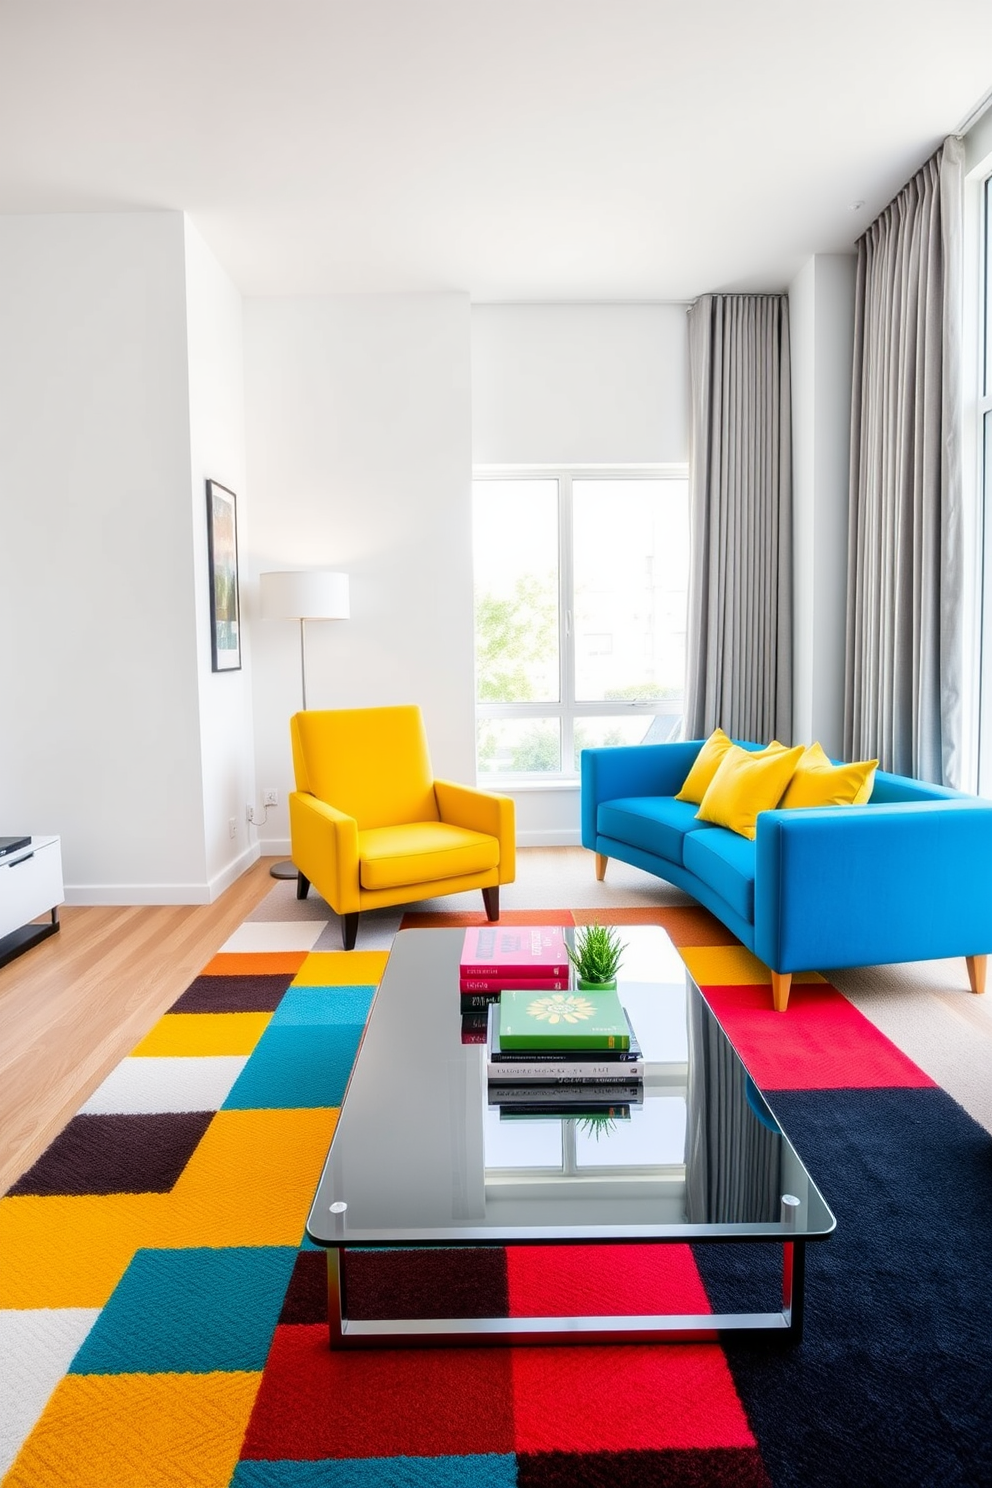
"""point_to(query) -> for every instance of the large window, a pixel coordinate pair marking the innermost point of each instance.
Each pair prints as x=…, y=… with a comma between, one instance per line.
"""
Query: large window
x=580, y=615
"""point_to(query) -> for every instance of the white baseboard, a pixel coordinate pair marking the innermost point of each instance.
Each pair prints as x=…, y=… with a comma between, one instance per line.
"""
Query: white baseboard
x=274, y=847
x=182, y=893
x=562, y=837
x=229, y=875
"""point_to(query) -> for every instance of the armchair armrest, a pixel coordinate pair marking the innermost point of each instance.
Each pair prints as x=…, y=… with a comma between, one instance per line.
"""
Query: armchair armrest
x=324, y=844
x=865, y=885
x=631, y=770
x=481, y=811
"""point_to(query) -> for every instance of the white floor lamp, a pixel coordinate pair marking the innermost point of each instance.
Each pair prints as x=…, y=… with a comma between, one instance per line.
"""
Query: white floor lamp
x=303, y=594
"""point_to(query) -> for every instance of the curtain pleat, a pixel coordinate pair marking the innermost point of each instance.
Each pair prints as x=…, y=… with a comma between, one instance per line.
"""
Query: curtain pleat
x=739, y=667
x=904, y=663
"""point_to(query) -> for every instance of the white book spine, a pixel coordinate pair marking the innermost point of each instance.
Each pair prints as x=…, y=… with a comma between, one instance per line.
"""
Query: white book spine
x=575, y=1071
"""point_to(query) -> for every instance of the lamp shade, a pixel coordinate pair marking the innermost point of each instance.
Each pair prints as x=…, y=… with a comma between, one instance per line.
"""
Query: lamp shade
x=304, y=594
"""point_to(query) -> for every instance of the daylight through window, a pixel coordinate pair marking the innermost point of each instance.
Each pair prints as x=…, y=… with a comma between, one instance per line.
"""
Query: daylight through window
x=580, y=615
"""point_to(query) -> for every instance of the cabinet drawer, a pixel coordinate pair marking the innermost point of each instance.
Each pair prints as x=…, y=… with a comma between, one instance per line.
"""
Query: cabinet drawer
x=30, y=887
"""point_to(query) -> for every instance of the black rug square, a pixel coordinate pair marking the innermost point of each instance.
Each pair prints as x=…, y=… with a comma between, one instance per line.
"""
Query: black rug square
x=233, y=994
x=711, y=1467
x=117, y=1154
x=427, y=1283
x=306, y=1295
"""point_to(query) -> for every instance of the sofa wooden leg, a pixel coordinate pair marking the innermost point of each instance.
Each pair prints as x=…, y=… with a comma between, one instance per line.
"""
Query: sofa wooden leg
x=601, y=862
x=302, y=885
x=976, y=972
x=349, y=930
x=490, y=898
x=781, y=986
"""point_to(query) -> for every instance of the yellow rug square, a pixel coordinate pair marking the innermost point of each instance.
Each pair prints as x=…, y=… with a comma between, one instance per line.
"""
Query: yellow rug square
x=732, y=966
x=252, y=1178
x=186, y=1034
x=341, y=969
x=138, y=1431
x=63, y=1251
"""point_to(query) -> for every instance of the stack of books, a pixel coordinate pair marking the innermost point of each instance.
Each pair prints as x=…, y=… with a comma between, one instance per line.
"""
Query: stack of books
x=497, y=958
x=563, y=1052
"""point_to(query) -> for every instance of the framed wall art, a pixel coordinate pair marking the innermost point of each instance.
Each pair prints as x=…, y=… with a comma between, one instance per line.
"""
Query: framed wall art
x=222, y=549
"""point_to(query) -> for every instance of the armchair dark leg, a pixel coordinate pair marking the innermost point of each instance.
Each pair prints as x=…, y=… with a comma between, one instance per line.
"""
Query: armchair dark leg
x=490, y=897
x=349, y=930
x=302, y=885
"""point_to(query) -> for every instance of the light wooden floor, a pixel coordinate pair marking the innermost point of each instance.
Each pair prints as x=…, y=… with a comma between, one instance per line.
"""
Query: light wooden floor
x=73, y=1006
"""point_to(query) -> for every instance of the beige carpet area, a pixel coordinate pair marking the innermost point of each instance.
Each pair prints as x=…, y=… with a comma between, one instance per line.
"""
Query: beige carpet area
x=925, y=1007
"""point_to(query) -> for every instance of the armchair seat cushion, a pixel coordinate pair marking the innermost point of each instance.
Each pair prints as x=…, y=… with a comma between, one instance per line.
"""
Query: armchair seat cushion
x=726, y=861
x=422, y=852
x=656, y=824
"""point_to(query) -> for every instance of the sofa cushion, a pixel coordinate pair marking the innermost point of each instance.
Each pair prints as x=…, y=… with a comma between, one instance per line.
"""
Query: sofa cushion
x=704, y=767
x=725, y=861
x=422, y=852
x=819, y=782
x=746, y=784
x=655, y=824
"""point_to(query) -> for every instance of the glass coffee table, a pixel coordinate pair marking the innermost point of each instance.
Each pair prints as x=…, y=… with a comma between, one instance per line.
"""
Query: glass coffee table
x=426, y=1153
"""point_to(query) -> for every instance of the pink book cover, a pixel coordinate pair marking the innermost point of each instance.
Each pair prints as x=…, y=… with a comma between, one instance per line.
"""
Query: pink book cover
x=514, y=951
x=501, y=983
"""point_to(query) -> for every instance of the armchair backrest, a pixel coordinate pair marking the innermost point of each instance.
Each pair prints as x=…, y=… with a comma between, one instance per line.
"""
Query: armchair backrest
x=371, y=763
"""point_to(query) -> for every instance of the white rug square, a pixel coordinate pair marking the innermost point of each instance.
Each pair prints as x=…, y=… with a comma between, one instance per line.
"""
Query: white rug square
x=36, y=1348
x=275, y=935
x=141, y=1086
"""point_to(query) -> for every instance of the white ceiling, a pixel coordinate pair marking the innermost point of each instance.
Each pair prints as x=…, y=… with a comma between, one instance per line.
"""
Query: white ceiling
x=514, y=149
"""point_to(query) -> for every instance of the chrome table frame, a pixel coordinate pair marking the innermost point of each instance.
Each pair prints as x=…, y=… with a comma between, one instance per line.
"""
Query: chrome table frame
x=785, y=1326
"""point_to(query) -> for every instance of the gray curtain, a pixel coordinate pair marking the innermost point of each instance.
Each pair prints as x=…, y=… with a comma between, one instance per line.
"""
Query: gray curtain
x=905, y=630
x=739, y=651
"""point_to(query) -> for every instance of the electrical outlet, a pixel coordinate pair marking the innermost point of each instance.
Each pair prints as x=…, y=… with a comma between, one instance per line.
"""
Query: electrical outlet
x=250, y=814
x=270, y=798
x=232, y=826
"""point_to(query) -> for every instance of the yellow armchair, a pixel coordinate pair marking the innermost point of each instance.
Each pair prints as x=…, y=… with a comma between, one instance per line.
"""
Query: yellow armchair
x=370, y=826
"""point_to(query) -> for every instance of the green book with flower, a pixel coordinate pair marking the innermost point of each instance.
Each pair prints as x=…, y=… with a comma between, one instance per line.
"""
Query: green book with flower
x=562, y=1020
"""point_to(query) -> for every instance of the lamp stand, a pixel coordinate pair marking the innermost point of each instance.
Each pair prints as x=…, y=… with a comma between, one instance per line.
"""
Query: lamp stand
x=287, y=868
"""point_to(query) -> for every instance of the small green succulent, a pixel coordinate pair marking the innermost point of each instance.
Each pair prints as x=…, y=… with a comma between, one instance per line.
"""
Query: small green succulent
x=597, y=954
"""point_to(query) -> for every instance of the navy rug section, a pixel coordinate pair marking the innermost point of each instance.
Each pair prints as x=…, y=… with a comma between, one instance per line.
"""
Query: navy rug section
x=891, y=1387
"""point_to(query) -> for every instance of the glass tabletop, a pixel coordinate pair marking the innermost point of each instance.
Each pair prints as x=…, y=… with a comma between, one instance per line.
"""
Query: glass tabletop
x=426, y=1151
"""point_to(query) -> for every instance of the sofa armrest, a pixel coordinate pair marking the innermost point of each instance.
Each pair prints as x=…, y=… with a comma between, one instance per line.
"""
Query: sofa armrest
x=481, y=811
x=866, y=885
x=324, y=845
x=631, y=770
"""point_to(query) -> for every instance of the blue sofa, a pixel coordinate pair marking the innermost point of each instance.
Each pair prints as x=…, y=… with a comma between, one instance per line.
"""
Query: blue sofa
x=908, y=877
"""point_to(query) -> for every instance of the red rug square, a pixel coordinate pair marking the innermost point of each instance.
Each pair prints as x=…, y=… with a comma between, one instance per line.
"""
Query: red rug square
x=600, y=1280
x=315, y=1403
x=821, y=1041
x=626, y=1397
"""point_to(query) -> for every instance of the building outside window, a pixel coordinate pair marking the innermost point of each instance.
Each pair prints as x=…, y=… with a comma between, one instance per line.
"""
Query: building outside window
x=581, y=581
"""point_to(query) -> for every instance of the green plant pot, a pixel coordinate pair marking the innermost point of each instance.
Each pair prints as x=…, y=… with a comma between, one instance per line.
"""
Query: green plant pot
x=585, y=986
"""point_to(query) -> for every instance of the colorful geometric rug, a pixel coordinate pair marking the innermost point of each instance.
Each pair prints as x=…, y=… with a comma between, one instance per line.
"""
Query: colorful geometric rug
x=163, y=1318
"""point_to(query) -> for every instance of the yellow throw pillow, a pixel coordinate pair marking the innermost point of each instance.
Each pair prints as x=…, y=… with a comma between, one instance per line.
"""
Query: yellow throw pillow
x=746, y=784
x=704, y=767
x=817, y=782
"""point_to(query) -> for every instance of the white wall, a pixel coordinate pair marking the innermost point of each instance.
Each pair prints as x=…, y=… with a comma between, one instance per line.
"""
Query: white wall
x=120, y=390
x=98, y=660
x=579, y=384
x=576, y=385
x=821, y=306
x=359, y=459
x=217, y=452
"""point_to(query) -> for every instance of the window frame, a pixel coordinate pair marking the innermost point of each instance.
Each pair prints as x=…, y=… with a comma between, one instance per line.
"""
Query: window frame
x=567, y=708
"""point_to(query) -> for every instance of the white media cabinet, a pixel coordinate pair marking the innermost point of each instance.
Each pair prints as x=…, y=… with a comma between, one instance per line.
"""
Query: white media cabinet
x=30, y=886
